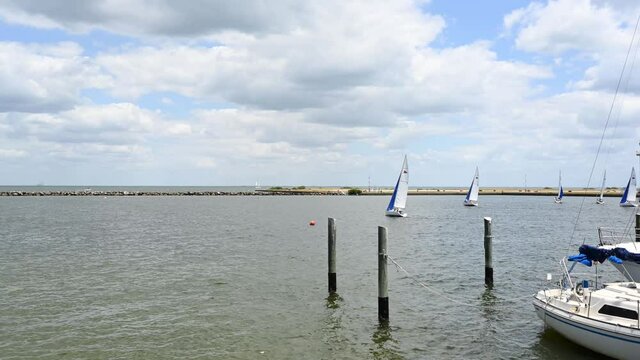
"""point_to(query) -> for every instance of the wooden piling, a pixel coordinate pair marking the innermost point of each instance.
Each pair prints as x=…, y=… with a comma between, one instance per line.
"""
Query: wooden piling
x=638, y=226
x=383, y=295
x=488, y=253
x=332, y=255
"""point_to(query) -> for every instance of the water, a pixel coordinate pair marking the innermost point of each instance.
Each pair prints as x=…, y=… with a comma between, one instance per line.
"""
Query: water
x=70, y=188
x=246, y=277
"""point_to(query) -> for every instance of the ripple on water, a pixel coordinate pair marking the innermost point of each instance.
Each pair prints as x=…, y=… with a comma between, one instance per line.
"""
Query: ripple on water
x=245, y=278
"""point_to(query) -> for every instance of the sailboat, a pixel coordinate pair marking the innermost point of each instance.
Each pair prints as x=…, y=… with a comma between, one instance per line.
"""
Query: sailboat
x=558, y=198
x=600, y=199
x=601, y=318
x=629, y=196
x=399, y=198
x=472, y=194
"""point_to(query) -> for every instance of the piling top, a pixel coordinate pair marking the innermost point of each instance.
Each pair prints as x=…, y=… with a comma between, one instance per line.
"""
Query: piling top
x=486, y=218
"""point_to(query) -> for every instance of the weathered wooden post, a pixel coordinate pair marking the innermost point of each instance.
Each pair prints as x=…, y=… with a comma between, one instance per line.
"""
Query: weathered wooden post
x=638, y=226
x=332, y=255
x=383, y=295
x=488, y=256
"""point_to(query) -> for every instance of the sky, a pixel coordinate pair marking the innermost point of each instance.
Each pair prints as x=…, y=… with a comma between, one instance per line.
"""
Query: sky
x=288, y=92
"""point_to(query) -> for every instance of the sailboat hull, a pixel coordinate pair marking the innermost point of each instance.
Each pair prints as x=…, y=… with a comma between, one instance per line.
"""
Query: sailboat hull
x=628, y=204
x=470, y=203
x=592, y=334
x=393, y=213
x=600, y=202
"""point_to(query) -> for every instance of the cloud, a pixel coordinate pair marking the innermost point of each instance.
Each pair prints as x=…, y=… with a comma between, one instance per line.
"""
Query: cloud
x=591, y=32
x=44, y=78
x=332, y=90
x=115, y=124
x=567, y=25
x=12, y=153
x=156, y=17
x=90, y=133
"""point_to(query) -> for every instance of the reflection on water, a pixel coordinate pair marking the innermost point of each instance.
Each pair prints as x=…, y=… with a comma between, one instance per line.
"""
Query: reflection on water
x=384, y=345
x=552, y=345
x=232, y=277
x=333, y=301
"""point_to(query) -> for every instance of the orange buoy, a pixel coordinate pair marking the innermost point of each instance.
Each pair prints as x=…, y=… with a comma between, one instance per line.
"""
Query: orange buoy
x=312, y=223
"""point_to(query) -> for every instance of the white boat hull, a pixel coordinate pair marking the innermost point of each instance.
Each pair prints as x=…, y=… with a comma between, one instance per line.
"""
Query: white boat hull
x=629, y=204
x=611, y=340
x=393, y=213
x=471, y=203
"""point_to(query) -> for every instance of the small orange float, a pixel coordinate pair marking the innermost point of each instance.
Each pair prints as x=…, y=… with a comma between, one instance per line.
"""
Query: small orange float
x=312, y=223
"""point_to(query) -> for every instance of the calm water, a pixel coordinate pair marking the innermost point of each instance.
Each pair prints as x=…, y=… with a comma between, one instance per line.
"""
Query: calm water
x=246, y=277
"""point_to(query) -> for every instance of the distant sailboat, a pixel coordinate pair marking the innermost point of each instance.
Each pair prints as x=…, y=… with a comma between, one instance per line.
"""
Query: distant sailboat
x=472, y=194
x=629, y=196
x=600, y=199
x=558, y=198
x=399, y=197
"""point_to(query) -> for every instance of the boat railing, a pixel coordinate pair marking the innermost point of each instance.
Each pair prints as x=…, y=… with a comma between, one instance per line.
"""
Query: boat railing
x=565, y=273
x=610, y=236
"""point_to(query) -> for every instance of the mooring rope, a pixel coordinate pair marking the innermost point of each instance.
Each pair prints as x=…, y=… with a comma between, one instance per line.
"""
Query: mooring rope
x=443, y=295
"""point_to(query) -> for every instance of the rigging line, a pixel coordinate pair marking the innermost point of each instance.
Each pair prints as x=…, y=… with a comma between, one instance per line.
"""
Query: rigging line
x=630, y=226
x=424, y=285
x=414, y=278
x=606, y=124
x=619, y=110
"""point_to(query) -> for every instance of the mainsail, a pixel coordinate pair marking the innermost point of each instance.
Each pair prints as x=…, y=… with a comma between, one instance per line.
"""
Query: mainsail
x=629, y=196
x=399, y=197
x=472, y=194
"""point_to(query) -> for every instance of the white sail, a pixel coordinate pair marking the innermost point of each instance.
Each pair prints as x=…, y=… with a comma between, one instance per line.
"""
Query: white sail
x=472, y=194
x=629, y=196
x=601, y=196
x=560, y=189
x=399, y=198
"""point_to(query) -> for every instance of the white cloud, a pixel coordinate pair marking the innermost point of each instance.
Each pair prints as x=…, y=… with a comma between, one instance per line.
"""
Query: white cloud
x=107, y=124
x=44, y=78
x=156, y=17
x=12, y=153
x=178, y=129
x=567, y=25
x=332, y=90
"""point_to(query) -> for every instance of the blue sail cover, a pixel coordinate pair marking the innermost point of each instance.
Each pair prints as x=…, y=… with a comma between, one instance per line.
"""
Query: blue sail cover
x=592, y=253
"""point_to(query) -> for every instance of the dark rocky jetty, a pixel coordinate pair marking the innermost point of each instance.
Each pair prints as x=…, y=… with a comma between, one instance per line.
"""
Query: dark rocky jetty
x=161, y=193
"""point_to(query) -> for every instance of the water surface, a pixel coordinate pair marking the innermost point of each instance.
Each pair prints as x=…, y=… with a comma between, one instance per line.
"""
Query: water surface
x=246, y=277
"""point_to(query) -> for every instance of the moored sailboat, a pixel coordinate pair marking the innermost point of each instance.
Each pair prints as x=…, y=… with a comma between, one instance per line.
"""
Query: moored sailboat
x=604, y=320
x=398, y=200
x=472, y=195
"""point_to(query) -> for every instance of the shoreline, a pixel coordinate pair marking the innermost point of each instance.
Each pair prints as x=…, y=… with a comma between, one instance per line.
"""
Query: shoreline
x=611, y=192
